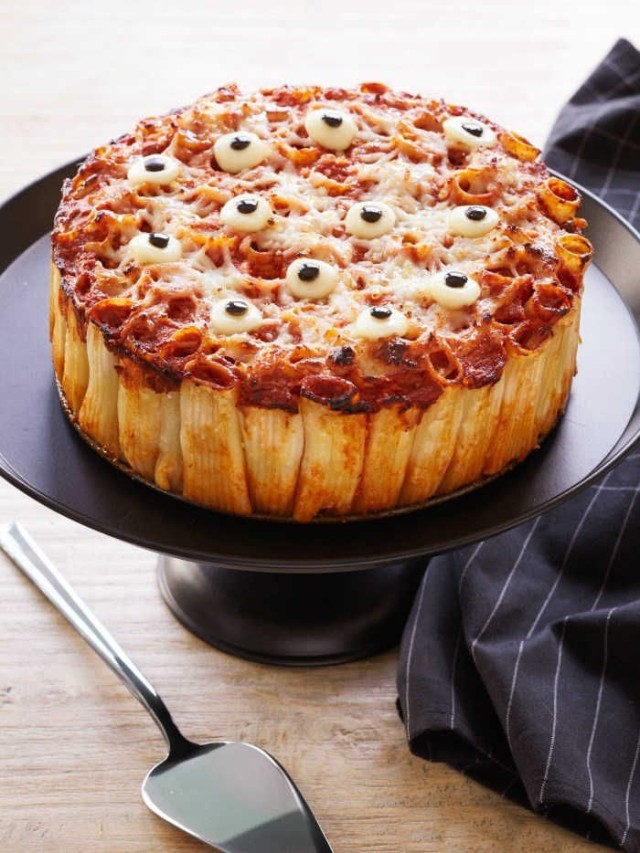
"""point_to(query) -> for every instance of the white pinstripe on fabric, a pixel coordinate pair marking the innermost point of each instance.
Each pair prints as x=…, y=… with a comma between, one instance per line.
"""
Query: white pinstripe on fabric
x=454, y=666
x=605, y=99
x=474, y=554
x=412, y=640
x=625, y=78
x=555, y=713
x=603, y=586
x=624, y=190
x=627, y=793
x=452, y=718
x=587, y=136
x=601, y=131
x=545, y=604
x=505, y=587
x=622, y=143
x=616, y=548
x=512, y=692
x=635, y=207
x=596, y=716
x=614, y=552
x=568, y=553
x=578, y=155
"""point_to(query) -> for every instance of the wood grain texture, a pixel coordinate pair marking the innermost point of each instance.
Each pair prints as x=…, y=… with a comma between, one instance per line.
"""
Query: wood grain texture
x=75, y=745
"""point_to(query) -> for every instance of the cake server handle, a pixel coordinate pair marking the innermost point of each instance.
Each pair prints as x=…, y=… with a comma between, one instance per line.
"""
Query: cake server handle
x=25, y=553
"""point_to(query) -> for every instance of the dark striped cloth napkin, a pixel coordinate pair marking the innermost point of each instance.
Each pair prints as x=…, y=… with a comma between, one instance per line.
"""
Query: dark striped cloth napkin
x=520, y=663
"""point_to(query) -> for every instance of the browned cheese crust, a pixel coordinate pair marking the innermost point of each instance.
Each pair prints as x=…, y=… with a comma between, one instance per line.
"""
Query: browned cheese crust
x=392, y=315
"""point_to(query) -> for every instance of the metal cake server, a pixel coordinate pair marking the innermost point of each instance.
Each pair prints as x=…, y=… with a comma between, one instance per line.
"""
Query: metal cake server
x=233, y=796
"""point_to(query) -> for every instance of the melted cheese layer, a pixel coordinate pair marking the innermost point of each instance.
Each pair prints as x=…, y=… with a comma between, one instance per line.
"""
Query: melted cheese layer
x=421, y=162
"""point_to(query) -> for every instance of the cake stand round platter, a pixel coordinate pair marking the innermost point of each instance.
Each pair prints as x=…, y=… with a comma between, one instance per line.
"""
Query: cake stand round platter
x=302, y=594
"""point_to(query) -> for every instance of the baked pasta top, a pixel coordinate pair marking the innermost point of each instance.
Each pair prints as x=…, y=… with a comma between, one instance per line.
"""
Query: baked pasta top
x=362, y=247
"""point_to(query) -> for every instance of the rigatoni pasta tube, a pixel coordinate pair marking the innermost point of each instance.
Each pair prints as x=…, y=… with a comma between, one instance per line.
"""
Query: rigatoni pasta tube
x=273, y=443
x=57, y=322
x=140, y=423
x=433, y=447
x=559, y=199
x=168, y=471
x=334, y=448
x=98, y=414
x=574, y=252
x=212, y=452
x=389, y=441
x=75, y=376
x=518, y=146
x=478, y=428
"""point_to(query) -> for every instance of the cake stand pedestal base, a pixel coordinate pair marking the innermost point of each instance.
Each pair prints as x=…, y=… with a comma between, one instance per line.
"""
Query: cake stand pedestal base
x=292, y=619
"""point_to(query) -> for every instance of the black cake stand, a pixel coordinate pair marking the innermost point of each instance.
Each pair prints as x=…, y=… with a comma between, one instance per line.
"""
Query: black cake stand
x=301, y=594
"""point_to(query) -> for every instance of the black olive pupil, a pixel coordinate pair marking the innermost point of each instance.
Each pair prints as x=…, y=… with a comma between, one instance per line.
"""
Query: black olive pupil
x=371, y=214
x=154, y=165
x=236, y=308
x=160, y=241
x=239, y=143
x=473, y=129
x=332, y=119
x=308, y=272
x=247, y=206
x=381, y=313
x=455, y=279
x=476, y=213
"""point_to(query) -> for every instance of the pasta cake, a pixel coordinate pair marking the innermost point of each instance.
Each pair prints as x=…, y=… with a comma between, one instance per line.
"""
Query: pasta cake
x=307, y=301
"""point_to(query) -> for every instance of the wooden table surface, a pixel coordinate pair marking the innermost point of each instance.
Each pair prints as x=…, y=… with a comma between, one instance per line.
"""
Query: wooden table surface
x=75, y=746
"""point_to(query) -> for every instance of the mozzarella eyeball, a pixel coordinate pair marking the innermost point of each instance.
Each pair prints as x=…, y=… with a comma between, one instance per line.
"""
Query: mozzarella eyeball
x=472, y=220
x=155, y=248
x=453, y=289
x=155, y=169
x=461, y=130
x=246, y=212
x=368, y=219
x=332, y=129
x=310, y=279
x=381, y=321
x=233, y=316
x=237, y=151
